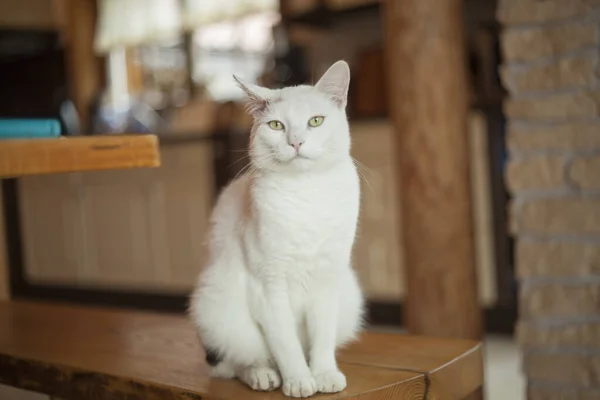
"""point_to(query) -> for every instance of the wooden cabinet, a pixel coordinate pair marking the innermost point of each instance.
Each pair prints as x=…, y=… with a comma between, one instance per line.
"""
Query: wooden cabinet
x=131, y=229
x=143, y=229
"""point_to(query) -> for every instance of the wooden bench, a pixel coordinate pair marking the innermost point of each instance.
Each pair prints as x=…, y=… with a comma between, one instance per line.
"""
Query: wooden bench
x=79, y=353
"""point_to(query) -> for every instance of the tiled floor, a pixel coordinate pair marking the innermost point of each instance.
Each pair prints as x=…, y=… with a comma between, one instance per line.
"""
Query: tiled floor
x=503, y=378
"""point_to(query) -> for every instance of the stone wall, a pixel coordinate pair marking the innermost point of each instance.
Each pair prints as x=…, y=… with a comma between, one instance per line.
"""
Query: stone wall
x=551, y=50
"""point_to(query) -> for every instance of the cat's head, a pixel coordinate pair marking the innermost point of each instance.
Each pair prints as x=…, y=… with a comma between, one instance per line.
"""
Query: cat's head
x=302, y=127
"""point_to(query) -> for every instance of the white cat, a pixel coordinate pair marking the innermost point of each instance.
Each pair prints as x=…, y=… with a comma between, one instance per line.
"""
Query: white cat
x=278, y=294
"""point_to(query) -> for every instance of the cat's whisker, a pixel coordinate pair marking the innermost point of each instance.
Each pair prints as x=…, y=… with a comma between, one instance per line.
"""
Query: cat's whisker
x=365, y=179
x=360, y=169
x=244, y=158
x=243, y=170
x=251, y=167
x=362, y=165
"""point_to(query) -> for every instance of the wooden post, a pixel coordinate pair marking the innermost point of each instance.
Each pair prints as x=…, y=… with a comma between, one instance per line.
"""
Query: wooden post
x=85, y=68
x=428, y=108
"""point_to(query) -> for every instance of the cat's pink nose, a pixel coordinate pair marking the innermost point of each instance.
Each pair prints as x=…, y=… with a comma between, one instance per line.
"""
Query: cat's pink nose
x=296, y=146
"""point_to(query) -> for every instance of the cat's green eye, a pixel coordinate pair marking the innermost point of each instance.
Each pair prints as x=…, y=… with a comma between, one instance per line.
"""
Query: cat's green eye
x=316, y=121
x=275, y=125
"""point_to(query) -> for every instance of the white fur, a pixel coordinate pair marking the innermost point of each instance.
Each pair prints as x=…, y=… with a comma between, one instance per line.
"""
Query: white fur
x=278, y=294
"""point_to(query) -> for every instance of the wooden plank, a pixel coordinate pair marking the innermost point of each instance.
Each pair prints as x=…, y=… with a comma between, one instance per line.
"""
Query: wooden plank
x=85, y=153
x=123, y=354
x=454, y=368
x=428, y=108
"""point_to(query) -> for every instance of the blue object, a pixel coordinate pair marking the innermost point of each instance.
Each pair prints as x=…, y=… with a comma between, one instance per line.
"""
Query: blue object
x=29, y=128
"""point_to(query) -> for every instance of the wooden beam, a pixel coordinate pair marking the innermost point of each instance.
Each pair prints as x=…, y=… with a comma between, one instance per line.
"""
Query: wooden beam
x=76, y=154
x=86, y=70
x=428, y=107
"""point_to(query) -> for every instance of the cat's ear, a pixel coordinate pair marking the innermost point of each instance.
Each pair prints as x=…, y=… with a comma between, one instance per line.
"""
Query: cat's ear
x=257, y=97
x=335, y=82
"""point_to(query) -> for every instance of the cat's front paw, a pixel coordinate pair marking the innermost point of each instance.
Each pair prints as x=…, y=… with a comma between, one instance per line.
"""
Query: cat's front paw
x=330, y=381
x=260, y=378
x=299, y=387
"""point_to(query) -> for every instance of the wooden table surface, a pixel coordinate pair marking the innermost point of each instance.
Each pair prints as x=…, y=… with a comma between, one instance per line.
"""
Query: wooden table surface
x=78, y=153
x=79, y=353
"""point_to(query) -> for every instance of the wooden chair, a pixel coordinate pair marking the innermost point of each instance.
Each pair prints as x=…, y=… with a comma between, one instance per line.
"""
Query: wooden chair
x=78, y=353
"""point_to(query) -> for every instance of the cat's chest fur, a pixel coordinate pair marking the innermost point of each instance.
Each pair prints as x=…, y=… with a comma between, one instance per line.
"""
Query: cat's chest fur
x=308, y=218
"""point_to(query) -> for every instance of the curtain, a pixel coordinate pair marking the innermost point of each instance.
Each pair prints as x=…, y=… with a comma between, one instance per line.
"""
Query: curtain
x=129, y=23
x=198, y=13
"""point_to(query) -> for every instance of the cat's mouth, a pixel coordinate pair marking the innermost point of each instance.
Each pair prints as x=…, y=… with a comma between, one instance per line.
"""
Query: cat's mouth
x=300, y=158
x=295, y=158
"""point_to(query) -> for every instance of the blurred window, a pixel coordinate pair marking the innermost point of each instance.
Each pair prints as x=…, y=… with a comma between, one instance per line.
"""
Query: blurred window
x=144, y=44
x=242, y=47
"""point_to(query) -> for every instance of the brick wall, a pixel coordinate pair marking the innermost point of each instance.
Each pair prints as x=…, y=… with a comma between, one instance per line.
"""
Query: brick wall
x=552, y=72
